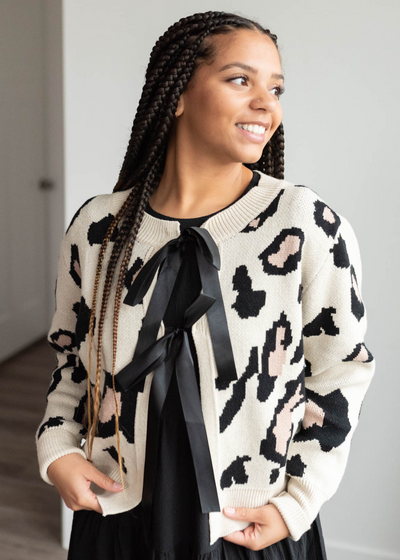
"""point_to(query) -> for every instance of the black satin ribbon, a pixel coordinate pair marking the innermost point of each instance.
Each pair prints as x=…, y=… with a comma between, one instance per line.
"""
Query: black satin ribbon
x=172, y=353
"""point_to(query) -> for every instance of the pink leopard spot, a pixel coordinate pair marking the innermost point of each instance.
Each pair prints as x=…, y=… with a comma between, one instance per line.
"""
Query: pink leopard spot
x=283, y=428
x=77, y=268
x=289, y=246
x=254, y=223
x=328, y=215
x=313, y=415
x=107, y=408
x=362, y=356
x=355, y=287
x=277, y=358
x=64, y=340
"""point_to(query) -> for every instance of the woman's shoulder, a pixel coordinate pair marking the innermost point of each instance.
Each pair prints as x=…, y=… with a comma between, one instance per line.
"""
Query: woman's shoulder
x=304, y=204
x=302, y=195
x=95, y=215
x=323, y=228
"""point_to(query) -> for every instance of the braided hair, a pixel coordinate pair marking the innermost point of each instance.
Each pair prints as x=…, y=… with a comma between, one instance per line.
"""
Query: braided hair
x=173, y=61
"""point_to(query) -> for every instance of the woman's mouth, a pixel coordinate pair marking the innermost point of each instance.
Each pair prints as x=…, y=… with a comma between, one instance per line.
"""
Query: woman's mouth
x=253, y=132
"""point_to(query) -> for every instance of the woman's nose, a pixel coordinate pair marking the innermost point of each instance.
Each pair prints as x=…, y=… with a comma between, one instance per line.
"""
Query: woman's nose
x=264, y=100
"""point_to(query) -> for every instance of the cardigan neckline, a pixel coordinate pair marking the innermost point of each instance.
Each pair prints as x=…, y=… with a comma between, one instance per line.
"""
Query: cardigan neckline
x=222, y=225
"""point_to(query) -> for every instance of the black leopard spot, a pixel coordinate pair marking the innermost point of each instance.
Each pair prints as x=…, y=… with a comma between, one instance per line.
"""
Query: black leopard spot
x=340, y=255
x=127, y=399
x=357, y=306
x=325, y=419
x=279, y=434
x=235, y=473
x=298, y=353
x=114, y=454
x=273, y=477
x=57, y=373
x=82, y=321
x=326, y=218
x=284, y=253
x=277, y=340
x=51, y=423
x=98, y=230
x=130, y=273
x=265, y=214
x=299, y=297
x=360, y=354
x=79, y=373
x=80, y=414
x=248, y=302
x=78, y=212
x=75, y=266
x=322, y=322
x=295, y=466
x=234, y=404
x=56, y=378
x=62, y=340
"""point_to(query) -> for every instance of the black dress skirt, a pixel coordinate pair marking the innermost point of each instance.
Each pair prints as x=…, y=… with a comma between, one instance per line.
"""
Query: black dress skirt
x=180, y=531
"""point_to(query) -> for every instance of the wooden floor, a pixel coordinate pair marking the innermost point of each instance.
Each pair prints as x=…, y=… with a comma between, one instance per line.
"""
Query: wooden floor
x=29, y=508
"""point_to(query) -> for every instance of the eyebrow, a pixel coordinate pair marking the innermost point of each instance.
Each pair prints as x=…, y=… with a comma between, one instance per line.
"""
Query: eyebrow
x=249, y=69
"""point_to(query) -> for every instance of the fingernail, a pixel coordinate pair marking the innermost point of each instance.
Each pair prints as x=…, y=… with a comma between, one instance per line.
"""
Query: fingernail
x=230, y=510
x=117, y=485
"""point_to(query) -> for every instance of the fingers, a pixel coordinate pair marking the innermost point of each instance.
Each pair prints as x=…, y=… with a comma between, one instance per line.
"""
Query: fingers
x=267, y=526
x=253, y=515
x=72, y=475
x=102, y=480
x=252, y=537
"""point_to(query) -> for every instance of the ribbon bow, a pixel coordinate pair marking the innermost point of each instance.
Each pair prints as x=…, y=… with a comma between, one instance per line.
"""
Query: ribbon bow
x=172, y=352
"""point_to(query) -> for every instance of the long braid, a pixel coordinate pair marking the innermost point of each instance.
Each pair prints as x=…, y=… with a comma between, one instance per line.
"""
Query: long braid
x=128, y=231
x=173, y=61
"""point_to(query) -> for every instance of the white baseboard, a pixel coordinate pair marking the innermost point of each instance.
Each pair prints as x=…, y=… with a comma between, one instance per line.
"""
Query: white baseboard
x=345, y=551
x=66, y=525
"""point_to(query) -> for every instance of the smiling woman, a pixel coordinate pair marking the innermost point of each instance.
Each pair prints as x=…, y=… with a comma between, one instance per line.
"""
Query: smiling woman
x=229, y=365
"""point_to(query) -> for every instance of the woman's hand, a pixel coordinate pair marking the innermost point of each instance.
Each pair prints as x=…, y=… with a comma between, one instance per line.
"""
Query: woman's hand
x=268, y=527
x=72, y=475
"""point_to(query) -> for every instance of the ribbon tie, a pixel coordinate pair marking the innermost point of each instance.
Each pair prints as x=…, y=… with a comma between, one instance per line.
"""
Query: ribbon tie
x=172, y=353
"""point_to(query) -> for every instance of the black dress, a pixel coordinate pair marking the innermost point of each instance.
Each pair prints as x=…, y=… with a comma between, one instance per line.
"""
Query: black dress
x=179, y=530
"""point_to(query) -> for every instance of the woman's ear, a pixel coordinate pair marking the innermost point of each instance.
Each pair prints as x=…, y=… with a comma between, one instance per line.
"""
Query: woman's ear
x=180, y=107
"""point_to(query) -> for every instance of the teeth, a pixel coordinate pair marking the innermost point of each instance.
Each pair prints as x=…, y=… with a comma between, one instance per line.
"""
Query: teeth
x=255, y=128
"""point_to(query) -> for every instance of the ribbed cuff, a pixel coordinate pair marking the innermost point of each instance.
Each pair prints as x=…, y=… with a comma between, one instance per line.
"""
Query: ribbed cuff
x=299, y=506
x=53, y=444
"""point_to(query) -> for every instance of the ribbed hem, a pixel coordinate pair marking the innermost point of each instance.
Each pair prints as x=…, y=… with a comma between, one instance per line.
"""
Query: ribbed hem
x=220, y=525
x=223, y=224
x=53, y=444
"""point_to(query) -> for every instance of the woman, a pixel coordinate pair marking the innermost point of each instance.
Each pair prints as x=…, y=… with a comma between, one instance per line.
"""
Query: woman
x=223, y=422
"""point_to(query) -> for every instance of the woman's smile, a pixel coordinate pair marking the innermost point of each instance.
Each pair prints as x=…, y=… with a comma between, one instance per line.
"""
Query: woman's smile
x=253, y=133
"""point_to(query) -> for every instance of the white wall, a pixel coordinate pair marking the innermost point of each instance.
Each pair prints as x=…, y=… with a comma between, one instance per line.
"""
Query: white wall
x=341, y=123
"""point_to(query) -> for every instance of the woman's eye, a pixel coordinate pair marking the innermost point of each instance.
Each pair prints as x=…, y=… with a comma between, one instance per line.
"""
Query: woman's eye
x=280, y=90
x=238, y=78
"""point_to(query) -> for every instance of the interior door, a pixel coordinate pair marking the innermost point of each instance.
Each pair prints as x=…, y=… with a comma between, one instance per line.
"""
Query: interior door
x=22, y=201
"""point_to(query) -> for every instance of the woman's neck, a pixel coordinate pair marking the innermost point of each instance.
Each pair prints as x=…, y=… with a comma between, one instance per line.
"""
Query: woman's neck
x=192, y=186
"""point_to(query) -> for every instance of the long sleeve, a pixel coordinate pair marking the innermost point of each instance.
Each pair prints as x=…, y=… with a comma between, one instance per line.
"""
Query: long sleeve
x=338, y=372
x=62, y=429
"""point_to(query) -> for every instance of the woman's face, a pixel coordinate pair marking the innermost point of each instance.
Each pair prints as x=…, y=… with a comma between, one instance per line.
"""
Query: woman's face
x=221, y=99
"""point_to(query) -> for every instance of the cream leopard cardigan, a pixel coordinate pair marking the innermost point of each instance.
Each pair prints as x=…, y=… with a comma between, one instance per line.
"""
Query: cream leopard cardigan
x=291, y=282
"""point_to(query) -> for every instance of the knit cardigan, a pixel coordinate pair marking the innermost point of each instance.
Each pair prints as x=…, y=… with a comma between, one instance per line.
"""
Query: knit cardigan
x=290, y=277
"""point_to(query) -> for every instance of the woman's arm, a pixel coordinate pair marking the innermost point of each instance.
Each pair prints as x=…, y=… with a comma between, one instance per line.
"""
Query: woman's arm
x=62, y=461
x=62, y=427
x=338, y=372
x=339, y=369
